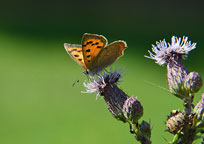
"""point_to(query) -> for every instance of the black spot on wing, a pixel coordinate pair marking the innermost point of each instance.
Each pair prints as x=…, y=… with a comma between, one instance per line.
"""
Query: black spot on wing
x=88, y=50
x=99, y=46
x=76, y=55
x=89, y=61
x=94, y=44
x=89, y=42
x=88, y=56
x=80, y=59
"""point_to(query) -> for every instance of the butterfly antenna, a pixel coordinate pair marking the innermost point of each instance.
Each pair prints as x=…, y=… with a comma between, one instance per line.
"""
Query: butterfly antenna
x=77, y=80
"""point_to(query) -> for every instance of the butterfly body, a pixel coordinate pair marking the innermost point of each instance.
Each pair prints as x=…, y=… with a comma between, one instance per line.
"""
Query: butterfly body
x=95, y=53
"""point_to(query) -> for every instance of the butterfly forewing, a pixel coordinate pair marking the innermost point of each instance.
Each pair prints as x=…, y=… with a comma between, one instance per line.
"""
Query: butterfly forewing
x=75, y=51
x=110, y=54
x=91, y=46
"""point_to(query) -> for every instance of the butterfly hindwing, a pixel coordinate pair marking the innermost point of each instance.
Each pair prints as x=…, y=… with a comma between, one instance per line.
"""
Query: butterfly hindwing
x=75, y=51
x=92, y=44
x=110, y=54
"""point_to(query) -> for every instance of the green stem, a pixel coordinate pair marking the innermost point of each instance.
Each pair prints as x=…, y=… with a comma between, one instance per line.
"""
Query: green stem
x=139, y=136
x=188, y=103
x=189, y=131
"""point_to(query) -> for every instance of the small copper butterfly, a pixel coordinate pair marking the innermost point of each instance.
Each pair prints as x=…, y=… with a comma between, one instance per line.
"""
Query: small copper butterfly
x=95, y=53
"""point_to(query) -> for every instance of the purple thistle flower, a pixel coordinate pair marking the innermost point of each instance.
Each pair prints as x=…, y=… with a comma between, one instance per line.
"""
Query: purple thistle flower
x=163, y=51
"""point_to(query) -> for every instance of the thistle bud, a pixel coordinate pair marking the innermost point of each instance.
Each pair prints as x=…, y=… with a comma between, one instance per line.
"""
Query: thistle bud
x=193, y=82
x=176, y=74
x=145, y=129
x=175, y=121
x=199, y=111
x=132, y=109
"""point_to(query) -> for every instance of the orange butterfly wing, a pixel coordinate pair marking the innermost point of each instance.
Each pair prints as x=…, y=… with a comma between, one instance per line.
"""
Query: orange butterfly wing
x=75, y=51
x=92, y=44
x=110, y=54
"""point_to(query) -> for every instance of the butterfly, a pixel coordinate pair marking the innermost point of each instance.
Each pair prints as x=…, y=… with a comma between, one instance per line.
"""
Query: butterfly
x=95, y=54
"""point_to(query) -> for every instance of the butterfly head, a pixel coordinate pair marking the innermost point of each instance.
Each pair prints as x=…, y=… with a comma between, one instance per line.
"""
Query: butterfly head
x=86, y=72
x=91, y=72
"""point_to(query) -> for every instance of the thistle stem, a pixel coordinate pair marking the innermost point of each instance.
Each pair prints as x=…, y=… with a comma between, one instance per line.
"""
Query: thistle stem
x=139, y=136
x=188, y=104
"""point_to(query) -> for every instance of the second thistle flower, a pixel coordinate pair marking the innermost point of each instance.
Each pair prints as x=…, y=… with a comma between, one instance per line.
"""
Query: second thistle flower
x=180, y=82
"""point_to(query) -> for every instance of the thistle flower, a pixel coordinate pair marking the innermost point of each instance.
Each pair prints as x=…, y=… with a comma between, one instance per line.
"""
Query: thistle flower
x=163, y=52
x=171, y=53
x=106, y=86
x=95, y=86
x=104, y=78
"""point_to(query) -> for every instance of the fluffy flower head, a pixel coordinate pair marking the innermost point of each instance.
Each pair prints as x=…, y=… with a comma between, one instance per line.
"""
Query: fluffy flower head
x=99, y=83
x=163, y=50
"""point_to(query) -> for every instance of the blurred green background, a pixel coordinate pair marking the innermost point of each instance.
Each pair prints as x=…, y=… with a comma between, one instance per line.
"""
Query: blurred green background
x=38, y=104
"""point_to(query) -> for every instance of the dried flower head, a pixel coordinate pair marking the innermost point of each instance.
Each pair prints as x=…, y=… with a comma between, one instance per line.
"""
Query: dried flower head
x=175, y=121
x=162, y=52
